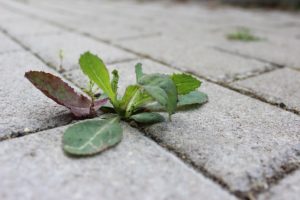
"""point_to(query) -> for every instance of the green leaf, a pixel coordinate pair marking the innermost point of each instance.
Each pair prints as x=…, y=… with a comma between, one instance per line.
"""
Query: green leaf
x=243, y=34
x=95, y=69
x=162, y=89
x=185, y=83
x=148, y=118
x=133, y=98
x=115, y=81
x=92, y=136
x=138, y=72
x=193, y=98
x=130, y=94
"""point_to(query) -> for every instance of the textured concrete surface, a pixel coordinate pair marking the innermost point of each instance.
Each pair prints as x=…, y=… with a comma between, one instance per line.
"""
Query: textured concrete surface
x=72, y=45
x=280, y=50
x=189, y=55
x=288, y=188
x=23, y=108
x=280, y=87
x=247, y=146
x=240, y=140
x=137, y=168
x=7, y=45
x=233, y=137
x=115, y=27
x=21, y=26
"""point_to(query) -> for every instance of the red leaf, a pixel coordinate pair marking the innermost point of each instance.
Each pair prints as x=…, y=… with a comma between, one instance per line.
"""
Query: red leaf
x=59, y=91
x=99, y=103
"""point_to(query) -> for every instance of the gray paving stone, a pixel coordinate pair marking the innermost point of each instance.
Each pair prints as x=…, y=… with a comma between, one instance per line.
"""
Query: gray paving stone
x=115, y=28
x=280, y=87
x=239, y=140
x=274, y=49
x=73, y=45
x=7, y=45
x=157, y=16
x=23, y=108
x=26, y=10
x=7, y=15
x=191, y=55
x=18, y=27
x=35, y=167
x=288, y=188
x=119, y=31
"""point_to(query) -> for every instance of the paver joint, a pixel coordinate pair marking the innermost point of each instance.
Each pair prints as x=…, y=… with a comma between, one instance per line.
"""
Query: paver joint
x=243, y=144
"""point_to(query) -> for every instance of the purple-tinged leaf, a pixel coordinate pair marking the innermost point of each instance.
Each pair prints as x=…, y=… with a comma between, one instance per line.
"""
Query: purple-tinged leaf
x=59, y=91
x=99, y=102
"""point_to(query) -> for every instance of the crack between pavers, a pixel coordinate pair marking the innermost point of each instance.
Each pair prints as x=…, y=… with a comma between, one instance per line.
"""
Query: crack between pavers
x=253, y=74
x=277, y=180
x=294, y=68
x=182, y=156
x=273, y=181
x=252, y=94
x=149, y=35
x=11, y=51
x=251, y=194
x=247, y=56
x=14, y=135
x=223, y=84
x=24, y=133
x=188, y=161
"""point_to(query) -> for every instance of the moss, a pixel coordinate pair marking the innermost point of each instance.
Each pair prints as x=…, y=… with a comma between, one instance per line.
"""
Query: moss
x=243, y=34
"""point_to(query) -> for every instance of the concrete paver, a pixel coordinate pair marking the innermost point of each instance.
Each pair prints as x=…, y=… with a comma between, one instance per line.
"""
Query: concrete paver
x=23, y=108
x=279, y=50
x=7, y=45
x=72, y=45
x=288, y=188
x=23, y=26
x=280, y=87
x=135, y=169
x=237, y=139
x=190, y=55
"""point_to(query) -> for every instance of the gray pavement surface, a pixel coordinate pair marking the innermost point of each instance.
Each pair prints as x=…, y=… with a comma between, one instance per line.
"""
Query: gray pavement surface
x=136, y=169
x=243, y=144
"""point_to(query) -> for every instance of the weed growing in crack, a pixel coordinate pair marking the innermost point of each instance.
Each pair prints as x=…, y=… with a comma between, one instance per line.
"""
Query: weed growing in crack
x=243, y=34
x=140, y=104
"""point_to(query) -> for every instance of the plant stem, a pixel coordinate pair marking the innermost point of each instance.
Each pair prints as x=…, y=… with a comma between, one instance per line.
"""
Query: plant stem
x=131, y=104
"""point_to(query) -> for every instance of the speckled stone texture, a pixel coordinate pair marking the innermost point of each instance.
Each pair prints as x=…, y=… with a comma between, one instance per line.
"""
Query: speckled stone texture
x=288, y=188
x=72, y=45
x=189, y=55
x=280, y=87
x=237, y=139
x=135, y=169
x=7, y=45
x=24, y=109
x=246, y=138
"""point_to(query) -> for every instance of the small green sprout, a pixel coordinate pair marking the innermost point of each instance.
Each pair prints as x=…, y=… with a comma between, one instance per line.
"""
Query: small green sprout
x=61, y=56
x=243, y=34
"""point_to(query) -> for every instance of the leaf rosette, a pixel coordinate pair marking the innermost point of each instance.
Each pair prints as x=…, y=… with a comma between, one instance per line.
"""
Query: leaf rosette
x=141, y=102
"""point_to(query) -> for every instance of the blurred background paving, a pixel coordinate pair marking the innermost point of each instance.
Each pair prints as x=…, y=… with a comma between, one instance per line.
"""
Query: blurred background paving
x=243, y=144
